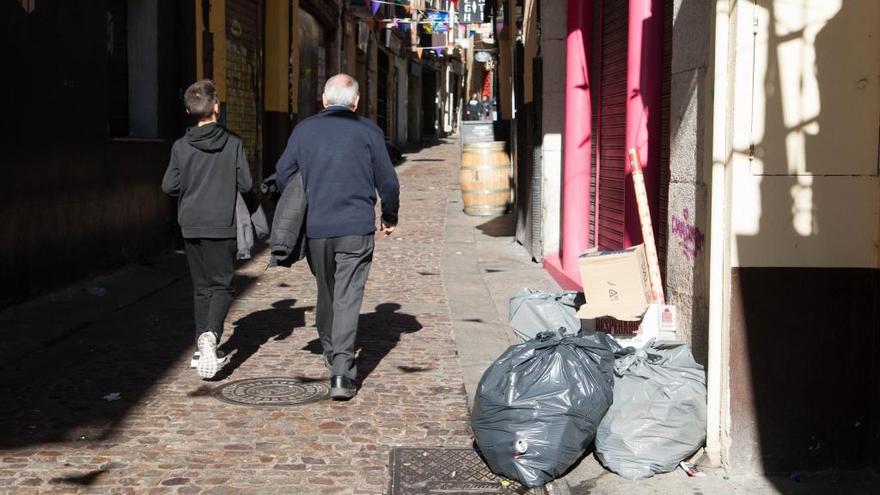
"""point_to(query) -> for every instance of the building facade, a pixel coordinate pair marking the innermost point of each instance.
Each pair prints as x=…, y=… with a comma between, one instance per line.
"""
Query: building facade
x=95, y=110
x=92, y=186
x=757, y=124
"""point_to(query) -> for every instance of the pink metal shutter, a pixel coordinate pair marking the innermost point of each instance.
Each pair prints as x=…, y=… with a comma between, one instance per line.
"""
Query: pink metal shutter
x=612, y=125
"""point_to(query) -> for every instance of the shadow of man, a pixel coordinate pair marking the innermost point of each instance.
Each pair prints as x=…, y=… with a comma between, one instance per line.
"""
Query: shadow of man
x=378, y=333
x=255, y=329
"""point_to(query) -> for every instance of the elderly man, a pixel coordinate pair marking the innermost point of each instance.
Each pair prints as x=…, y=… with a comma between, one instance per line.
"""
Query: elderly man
x=343, y=162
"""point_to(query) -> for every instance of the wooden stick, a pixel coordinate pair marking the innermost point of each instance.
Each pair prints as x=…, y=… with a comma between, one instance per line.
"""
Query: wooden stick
x=647, y=229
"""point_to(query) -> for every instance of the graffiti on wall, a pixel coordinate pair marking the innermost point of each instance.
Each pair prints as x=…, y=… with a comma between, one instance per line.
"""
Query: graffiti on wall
x=243, y=105
x=690, y=238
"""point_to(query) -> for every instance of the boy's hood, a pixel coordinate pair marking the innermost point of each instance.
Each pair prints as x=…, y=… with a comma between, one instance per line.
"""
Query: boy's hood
x=209, y=138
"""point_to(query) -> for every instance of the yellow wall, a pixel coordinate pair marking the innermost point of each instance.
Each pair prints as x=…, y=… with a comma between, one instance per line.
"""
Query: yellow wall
x=530, y=38
x=277, y=96
x=218, y=28
x=294, y=56
x=200, y=70
x=805, y=115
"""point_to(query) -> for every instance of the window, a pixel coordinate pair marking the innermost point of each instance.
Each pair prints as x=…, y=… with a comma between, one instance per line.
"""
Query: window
x=133, y=68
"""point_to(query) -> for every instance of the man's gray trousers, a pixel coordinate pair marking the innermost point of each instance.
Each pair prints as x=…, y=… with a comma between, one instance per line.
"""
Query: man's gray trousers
x=340, y=266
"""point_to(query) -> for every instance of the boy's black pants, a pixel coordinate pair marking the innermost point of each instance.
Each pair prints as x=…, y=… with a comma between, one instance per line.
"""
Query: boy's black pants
x=211, y=268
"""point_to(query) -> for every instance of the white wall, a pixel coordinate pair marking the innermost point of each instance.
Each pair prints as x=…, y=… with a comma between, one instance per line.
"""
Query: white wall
x=553, y=34
x=805, y=120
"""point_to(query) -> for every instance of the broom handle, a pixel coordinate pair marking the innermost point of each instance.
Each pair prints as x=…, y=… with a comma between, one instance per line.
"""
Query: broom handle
x=647, y=229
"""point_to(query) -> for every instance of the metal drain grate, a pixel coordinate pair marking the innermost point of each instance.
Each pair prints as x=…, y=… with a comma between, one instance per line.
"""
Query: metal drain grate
x=272, y=391
x=429, y=471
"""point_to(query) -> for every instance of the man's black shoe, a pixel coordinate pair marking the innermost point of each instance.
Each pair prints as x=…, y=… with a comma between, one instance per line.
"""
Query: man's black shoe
x=342, y=388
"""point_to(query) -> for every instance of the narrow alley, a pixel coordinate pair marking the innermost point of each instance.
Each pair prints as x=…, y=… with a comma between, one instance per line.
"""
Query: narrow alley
x=115, y=406
x=694, y=183
x=99, y=396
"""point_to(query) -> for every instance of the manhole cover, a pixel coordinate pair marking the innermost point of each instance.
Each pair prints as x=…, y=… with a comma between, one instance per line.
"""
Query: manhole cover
x=427, y=471
x=272, y=391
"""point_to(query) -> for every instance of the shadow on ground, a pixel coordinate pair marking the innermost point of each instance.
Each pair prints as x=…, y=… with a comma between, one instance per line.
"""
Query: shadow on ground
x=503, y=226
x=257, y=328
x=81, y=388
x=378, y=333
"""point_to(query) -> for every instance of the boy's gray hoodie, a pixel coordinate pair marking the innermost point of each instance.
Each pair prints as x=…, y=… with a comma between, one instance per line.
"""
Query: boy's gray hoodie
x=207, y=169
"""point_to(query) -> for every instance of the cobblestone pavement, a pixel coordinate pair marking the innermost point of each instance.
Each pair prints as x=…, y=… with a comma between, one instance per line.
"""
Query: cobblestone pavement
x=65, y=430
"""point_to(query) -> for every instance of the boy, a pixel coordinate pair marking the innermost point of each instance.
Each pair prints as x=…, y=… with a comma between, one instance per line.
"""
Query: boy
x=207, y=169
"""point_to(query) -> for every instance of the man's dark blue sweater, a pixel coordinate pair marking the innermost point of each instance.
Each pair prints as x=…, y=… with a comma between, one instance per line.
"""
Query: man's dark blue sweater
x=343, y=161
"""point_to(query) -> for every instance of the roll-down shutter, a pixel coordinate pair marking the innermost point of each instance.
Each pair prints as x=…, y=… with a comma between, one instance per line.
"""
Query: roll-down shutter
x=610, y=159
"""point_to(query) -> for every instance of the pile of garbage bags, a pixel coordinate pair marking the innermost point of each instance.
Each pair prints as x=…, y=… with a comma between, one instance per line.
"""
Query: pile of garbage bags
x=544, y=402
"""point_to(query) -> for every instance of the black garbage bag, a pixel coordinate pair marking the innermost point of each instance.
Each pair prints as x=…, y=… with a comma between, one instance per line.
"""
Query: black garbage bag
x=659, y=412
x=538, y=406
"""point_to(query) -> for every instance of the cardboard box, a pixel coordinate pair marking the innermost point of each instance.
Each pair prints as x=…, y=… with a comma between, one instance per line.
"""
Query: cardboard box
x=617, y=328
x=616, y=284
x=659, y=322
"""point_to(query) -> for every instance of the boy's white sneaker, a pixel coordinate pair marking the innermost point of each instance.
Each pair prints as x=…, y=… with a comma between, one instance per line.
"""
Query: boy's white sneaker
x=208, y=364
x=194, y=361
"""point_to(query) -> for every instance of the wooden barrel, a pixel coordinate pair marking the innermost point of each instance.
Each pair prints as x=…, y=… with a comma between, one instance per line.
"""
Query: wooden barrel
x=486, y=179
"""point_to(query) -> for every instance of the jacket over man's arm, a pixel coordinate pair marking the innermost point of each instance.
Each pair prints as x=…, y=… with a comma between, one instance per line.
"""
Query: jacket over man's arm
x=288, y=164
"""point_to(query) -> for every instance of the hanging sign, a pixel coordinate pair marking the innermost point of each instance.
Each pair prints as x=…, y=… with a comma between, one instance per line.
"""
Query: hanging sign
x=439, y=21
x=471, y=11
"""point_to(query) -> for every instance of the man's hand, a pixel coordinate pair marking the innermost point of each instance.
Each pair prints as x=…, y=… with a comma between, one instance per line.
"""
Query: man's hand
x=387, y=229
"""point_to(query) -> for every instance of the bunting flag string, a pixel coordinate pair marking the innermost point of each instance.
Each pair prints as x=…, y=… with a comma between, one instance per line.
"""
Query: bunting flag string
x=397, y=20
x=375, y=4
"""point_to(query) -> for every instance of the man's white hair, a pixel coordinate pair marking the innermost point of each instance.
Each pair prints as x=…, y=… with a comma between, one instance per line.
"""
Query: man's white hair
x=341, y=89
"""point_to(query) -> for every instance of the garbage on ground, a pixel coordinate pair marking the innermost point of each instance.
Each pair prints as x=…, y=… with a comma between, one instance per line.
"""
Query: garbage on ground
x=615, y=284
x=659, y=322
x=619, y=285
x=691, y=470
x=113, y=396
x=618, y=295
x=643, y=205
x=538, y=406
x=531, y=312
x=658, y=417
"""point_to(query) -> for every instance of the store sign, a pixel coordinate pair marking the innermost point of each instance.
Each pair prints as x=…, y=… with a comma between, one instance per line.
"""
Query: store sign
x=471, y=11
x=439, y=21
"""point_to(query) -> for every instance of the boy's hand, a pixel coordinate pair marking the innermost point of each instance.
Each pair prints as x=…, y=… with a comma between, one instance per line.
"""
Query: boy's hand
x=387, y=229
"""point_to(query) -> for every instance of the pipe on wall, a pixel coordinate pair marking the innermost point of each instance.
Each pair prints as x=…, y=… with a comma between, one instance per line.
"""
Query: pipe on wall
x=718, y=232
x=644, y=81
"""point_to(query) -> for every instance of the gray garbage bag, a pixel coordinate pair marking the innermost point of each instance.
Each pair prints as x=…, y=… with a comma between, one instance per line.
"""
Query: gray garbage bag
x=659, y=413
x=538, y=406
x=531, y=312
